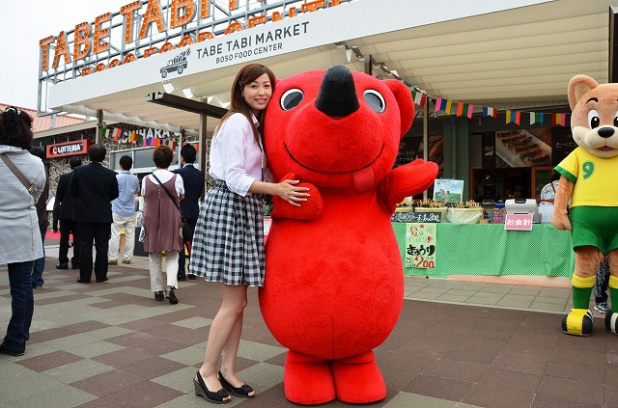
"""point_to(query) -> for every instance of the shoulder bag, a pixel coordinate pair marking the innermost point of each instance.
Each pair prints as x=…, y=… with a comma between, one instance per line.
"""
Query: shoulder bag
x=185, y=231
x=9, y=163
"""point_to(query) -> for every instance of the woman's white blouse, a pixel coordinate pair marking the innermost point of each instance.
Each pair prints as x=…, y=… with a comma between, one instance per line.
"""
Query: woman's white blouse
x=234, y=156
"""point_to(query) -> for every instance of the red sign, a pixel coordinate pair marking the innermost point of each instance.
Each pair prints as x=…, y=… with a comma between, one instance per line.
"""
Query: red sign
x=518, y=222
x=75, y=148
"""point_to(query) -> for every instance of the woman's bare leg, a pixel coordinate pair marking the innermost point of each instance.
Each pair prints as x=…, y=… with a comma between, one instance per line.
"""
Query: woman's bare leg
x=225, y=327
x=228, y=358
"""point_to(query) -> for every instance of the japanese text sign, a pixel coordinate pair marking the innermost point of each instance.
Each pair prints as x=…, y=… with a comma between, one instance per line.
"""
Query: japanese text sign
x=518, y=222
x=420, y=245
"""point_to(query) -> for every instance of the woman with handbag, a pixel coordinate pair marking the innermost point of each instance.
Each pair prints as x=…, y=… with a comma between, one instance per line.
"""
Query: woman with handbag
x=228, y=244
x=22, y=179
x=162, y=191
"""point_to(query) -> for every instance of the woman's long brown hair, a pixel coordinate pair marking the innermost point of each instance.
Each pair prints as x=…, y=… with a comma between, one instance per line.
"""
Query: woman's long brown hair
x=245, y=76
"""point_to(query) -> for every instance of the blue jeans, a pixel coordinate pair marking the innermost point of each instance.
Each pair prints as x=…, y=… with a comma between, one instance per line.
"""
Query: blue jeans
x=22, y=306
x=39, y=265
x=600, y=287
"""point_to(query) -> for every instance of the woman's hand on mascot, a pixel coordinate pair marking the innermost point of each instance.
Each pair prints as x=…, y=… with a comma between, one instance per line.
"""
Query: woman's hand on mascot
x=289, y=191
x=306, y=193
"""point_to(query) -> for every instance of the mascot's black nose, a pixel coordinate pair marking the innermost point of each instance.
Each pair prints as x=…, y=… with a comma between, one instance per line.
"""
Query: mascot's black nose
x=337, y=95
x=606, y=132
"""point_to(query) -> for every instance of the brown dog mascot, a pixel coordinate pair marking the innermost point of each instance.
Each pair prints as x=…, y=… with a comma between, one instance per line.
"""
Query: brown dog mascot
x=589, y=181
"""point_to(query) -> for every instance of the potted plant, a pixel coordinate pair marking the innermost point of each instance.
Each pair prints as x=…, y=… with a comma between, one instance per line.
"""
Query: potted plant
x=470, y=212
x=429, y=205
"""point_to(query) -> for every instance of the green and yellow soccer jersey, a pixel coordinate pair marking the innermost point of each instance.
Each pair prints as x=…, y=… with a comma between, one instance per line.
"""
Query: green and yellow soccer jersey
x=595, y=178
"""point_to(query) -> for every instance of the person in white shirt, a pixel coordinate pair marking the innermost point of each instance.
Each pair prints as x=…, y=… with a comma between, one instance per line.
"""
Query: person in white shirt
x=123, y=213
x=228, y=244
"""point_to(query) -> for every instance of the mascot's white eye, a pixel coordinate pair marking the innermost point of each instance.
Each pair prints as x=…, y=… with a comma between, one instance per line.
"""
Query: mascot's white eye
x=375, y=100
x=593, y=119
x=291, y=98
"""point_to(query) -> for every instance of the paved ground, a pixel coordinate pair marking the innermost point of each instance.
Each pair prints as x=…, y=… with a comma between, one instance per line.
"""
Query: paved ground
x=457, y=344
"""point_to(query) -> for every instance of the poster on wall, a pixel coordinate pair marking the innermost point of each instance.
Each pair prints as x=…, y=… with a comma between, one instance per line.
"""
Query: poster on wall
x=488, y=141
x=523, y=148
x=420, y=245
x=562, y=144
x=412, y=148
x=448, y=190
x=408, y=150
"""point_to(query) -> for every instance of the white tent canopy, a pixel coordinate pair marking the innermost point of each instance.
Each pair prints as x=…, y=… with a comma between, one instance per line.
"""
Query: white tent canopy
x=508, y=54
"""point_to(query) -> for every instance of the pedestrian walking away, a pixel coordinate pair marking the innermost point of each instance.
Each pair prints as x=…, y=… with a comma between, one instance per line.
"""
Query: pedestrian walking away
x=194, y=187
x=22, y=179
x=124, y=213
x=94, y=187
x=162, y=192
x=64, y=209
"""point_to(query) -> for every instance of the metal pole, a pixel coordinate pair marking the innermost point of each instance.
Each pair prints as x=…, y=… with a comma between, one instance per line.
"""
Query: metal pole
x=425, y=138
x=202, y=140
x=98, y=136
x=181, y=137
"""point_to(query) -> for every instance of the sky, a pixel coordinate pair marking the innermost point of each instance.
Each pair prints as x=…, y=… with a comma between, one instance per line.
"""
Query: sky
x=22, y=25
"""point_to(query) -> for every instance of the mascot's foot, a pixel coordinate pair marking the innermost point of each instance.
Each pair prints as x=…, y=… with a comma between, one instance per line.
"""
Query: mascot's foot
x=307, y=380
x=358, y=379
x=611, y=321
x=578, y=323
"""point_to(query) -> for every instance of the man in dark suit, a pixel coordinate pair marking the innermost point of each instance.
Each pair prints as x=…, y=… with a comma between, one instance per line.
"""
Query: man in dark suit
x=194, y=186
x=94, y=187
x=64, y=205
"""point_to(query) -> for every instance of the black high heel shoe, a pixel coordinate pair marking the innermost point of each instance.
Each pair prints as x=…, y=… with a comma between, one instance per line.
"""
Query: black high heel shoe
x=201, y=390
x=242, y=391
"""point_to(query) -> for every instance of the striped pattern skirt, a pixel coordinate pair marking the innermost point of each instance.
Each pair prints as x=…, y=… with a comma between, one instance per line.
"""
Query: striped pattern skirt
x=228, y=243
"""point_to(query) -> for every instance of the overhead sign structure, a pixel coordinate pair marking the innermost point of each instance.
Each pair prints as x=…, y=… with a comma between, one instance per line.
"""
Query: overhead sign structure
x=141, y=45
x=123, y=37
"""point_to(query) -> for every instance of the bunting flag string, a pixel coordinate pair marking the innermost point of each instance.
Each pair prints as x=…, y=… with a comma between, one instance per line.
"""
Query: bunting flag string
x=466, y=109
x=138, y=139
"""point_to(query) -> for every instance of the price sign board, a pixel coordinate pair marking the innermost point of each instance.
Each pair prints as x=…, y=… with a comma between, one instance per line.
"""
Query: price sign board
x=421, y=245
x=518, y=222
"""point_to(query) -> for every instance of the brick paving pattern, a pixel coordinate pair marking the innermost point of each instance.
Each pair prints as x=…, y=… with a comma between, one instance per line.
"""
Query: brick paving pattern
x=457, y=344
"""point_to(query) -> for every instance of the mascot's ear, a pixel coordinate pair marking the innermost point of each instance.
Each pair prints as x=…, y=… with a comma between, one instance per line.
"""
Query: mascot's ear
x=579, y=85
x=405, y=102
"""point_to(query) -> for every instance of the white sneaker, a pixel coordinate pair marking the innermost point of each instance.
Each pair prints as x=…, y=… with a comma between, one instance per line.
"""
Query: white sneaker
x=601, y=308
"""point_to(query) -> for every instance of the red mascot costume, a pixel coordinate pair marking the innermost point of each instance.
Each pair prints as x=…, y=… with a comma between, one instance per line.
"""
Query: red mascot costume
x=334, y=279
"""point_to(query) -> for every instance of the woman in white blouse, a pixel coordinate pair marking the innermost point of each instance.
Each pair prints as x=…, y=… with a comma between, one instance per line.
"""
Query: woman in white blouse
x=228, y=244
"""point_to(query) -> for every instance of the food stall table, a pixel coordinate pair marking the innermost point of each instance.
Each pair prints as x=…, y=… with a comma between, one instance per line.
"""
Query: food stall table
x=489, y=250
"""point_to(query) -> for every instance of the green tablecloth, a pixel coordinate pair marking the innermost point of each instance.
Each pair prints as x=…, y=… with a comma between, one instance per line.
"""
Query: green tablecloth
x=487, y=249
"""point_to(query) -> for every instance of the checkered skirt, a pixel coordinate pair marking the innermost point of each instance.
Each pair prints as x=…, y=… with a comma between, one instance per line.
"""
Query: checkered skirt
x=228, y=244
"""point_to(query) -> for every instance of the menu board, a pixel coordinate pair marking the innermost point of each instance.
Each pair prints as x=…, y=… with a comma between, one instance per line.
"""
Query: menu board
x=495, y=215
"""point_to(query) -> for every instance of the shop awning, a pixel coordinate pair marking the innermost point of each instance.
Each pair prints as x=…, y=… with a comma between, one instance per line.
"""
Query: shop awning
x=518, y=58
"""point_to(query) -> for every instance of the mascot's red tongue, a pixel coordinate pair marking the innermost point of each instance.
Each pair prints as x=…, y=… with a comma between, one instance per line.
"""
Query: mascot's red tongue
x=337, y=98
x=363, y=179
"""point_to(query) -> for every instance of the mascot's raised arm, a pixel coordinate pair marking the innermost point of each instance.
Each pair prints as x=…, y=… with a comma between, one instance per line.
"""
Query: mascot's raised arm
x=334, y=278
x=588, y=181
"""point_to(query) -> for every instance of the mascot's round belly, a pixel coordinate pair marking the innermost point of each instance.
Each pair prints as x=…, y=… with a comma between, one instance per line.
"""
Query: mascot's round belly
x=334, y=286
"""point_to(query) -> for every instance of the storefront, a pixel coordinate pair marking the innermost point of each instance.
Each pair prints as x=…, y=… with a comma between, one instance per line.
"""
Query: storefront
x=489, y=78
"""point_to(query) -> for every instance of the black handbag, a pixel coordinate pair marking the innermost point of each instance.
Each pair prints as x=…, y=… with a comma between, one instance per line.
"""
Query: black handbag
x=185, y=231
